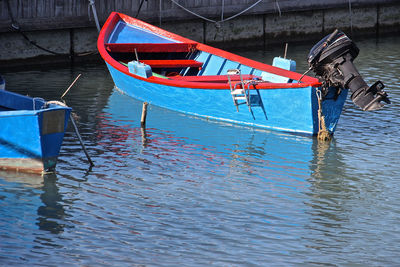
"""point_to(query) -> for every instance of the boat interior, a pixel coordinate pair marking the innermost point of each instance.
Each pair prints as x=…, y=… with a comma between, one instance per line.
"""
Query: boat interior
x=10, y=101
x=184, y=62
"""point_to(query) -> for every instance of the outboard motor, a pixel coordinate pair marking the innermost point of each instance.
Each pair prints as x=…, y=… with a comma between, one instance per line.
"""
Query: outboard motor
x=332, y=61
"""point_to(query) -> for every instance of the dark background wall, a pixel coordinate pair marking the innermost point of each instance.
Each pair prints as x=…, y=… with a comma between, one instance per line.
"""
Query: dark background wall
x=67, y=27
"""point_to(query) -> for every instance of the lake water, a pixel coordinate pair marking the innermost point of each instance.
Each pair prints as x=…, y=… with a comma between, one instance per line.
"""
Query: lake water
x=193, y=192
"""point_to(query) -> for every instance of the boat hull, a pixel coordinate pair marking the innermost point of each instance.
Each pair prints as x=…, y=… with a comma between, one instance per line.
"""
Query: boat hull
x=173, y=72
x=286, y=109
x=30, y=140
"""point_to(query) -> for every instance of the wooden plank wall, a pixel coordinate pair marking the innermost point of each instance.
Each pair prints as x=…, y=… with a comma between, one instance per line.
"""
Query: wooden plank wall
x=56, y=14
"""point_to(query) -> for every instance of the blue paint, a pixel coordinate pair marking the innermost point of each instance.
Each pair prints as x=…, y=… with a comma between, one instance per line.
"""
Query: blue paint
x=283, y=109
x=228, y=66
x=126, y=33
x=282, y=63
x=139, y=69
x=245, y=69
x=291, y=110
x=24, y=133
x=213, y=65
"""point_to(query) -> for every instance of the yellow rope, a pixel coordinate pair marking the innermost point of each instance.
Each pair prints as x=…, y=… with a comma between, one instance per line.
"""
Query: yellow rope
x=323, y=133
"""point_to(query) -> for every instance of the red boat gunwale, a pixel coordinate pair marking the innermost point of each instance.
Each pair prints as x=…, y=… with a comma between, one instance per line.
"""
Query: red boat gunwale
x=115, y=17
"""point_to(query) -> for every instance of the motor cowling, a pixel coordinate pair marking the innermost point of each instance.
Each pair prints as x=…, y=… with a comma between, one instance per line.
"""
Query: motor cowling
x=332, y=61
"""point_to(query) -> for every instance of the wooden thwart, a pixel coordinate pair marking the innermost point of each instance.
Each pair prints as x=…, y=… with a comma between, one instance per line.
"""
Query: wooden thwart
x=150, y=47
x=144, y=115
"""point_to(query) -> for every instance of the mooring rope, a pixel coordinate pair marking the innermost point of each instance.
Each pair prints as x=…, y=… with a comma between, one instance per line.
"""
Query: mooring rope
x=323, y=133
x=71, y=117
x=96, y=20
x=222, y=16
x=279, y=9
x=351, y=17
x=15, y=25
x=56, y=102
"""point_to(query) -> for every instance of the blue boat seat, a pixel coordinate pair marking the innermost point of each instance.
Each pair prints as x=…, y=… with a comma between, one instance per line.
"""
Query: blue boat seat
x=282, y=63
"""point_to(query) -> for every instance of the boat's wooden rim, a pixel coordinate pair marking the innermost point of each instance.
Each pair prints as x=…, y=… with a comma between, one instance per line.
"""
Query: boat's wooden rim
x=115, y=17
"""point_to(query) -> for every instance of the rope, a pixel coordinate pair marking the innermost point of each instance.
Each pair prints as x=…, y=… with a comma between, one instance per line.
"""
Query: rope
x=93, y=6
x=140, y=7
x=15, y=25
x=323, y=133
x=279, y=9
x=351, y=18
x=55, y=102
x=307, y=71
x=222, y=19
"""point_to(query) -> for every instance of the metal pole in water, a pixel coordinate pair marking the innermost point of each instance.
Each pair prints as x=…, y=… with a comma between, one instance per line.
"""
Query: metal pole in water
x=144, y=115
x=74, y=124
x=80, y=140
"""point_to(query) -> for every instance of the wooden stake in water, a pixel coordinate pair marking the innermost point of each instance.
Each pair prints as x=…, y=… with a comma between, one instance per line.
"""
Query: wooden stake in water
x=286, y=47
x=72, y=84
x=144, y=115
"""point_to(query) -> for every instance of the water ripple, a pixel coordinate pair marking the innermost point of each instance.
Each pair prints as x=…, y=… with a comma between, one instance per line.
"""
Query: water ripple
x=194, y=192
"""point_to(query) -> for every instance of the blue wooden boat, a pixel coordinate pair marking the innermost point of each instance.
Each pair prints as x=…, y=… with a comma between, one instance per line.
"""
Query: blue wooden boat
x=31, y=132
x=170, y=71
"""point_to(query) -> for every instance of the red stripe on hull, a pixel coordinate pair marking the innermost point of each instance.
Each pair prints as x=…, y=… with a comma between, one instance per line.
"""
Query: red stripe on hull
x=115, y=17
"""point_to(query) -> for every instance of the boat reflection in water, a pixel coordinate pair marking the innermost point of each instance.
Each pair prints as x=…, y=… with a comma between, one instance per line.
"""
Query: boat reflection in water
x=228, y=148
x=33, y=202
x=188, y=179
x=293, y=181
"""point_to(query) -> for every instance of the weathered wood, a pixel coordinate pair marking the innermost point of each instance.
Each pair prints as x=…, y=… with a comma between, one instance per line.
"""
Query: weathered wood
x=55, y=14
x=144, y=115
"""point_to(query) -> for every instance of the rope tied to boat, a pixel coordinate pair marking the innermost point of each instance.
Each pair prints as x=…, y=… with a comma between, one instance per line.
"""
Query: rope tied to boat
x=323, y=133
x=55, y=102
x=62, y=104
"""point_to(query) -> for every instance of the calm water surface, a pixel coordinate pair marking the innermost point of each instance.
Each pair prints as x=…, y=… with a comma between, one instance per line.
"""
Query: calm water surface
x=193, y=192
